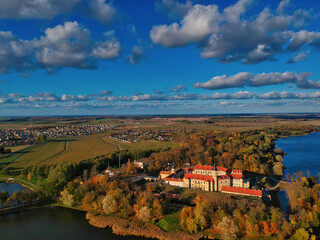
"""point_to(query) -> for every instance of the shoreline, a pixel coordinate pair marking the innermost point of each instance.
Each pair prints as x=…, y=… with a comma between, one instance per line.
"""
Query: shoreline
x=126, y=227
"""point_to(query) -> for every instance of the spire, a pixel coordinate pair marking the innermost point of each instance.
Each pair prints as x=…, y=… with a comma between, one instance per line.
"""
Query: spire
x=214, y=166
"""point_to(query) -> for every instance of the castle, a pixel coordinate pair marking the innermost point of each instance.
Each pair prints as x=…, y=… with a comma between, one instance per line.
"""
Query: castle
x=210, y=178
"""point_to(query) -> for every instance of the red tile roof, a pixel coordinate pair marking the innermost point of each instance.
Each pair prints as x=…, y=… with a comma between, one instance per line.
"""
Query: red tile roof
x=222, y=169
x=174, y=179
x=198, y=177
x=204, y=167
x=247, y=191
x=236, y=176
x=165, y=172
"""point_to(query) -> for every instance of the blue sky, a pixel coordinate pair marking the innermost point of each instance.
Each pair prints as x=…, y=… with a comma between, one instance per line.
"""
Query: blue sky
x=88, y=57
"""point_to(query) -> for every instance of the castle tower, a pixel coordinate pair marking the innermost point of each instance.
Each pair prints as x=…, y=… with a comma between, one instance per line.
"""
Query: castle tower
x=215, y=179
x=173, y=169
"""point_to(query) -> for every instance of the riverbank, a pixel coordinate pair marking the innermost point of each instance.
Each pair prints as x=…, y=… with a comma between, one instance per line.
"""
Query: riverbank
x=126, y=227
x=23, y=183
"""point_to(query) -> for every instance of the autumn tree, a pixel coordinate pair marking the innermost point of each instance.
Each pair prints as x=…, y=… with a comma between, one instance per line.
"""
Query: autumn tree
x=66, y=198
x=109, y=204
x=228, y=229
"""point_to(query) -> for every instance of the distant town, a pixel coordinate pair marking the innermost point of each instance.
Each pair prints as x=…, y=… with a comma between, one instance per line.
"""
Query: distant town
x=14, y=137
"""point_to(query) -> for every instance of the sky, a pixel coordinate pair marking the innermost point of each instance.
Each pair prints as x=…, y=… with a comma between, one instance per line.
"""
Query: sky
x=141, y=57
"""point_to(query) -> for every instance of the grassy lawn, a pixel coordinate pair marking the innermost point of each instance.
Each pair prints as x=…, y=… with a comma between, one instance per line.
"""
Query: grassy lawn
x=170, y=223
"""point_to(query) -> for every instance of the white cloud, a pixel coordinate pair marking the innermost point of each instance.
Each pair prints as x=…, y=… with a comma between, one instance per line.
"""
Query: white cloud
x=108, y=49
x=41, y=9
x=300, y=57
x=67, y=45
x=64, y=46
x=180, y=88
x=101, y=10
x=195, y=26
x=137, y=54
x=229, y=35
x=288, y=95
x=15, y=53
x=174, y=8
x=244, y=79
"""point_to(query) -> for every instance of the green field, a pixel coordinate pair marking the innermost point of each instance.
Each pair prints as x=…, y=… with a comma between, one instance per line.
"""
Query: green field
x=170, y=223
x=143, y=145
x=71, y=149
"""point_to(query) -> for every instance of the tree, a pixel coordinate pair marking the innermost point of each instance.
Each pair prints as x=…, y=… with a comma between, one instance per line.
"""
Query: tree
x=42, y=138
x=109, y=204
x=228, y=229
x=145, y=214
x=3, y=197
x=66, y=198
x=301, y=234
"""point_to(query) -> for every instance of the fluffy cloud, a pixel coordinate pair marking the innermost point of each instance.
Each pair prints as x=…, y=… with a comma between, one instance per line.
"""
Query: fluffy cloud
x=228, y=36
x=109, y=49
x=15, y=53
x=67, y=45
x=64, y=46
x=47, y=9
x=38, y=97
x=244, y=79
x=288, y=95
x=180, y=88
x=41, y=9
x=174, y=8
x=195, y=26
x=136, y=55
x=300, y=57
x=65, y=97
x=104, y=98
x=101, y=10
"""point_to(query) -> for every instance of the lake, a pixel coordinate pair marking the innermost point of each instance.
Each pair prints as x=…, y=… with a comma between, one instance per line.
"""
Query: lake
x=50, y=223
x=10, y=187
x=303, y=153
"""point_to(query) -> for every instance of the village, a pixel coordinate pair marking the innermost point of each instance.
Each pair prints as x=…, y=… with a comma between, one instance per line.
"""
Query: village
x=131, y=136
x=15, y=137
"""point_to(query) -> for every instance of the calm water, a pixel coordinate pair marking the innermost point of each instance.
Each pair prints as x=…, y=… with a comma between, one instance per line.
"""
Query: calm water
x=10, y=187
x=50, y=223
x=53, y=223
x=303, y=153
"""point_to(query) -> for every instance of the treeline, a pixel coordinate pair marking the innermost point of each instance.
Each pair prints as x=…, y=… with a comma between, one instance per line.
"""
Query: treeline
x=252, y=150
x=18, y=197
x=4, y=150
x=290, y=130
x=52, y=178
x=106, y=196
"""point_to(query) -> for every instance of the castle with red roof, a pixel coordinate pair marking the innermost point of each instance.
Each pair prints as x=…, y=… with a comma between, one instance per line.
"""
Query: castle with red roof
x=210, y=178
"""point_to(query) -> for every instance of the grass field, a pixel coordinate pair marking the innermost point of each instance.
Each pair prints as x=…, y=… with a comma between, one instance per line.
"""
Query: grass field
x=71, y=149
x=170, y=223
x=18, y=148
x=143, y=145
x=13, y=157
